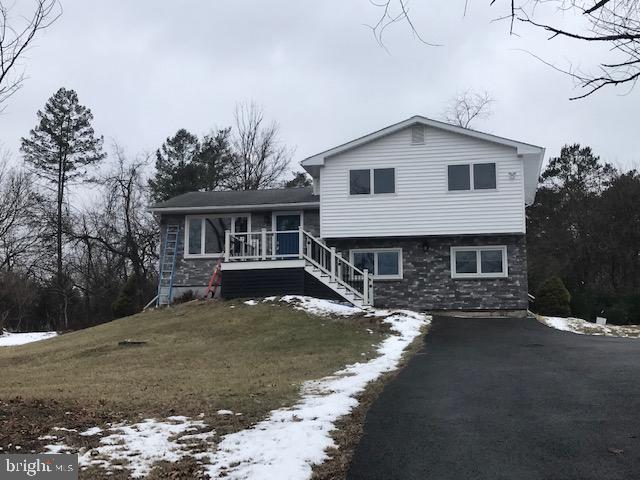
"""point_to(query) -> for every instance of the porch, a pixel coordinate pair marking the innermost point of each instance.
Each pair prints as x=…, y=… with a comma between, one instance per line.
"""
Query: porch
x=297, y=249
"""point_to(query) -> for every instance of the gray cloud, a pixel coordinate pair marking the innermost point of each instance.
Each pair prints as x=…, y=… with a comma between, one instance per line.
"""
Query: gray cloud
x=147, y=68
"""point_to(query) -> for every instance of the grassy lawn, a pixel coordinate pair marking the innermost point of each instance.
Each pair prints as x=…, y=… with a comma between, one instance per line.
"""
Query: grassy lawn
x=199, y=358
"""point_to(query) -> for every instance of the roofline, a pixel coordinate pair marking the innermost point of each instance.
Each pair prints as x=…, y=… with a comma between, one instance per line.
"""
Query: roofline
x=258, y=206
x=521, y=147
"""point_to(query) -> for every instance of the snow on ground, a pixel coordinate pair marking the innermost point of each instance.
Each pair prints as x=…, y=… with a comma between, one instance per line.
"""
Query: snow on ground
x=284, y=446
x=10, y=339
x=138, y=446
x=583, y=327
x=317, y=306
x=291, y=440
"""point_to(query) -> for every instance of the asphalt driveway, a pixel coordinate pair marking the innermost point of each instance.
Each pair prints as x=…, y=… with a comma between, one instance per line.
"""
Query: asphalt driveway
x=507, y=399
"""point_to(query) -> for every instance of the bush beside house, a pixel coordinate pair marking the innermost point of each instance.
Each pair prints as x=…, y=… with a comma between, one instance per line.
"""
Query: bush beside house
x=553, y=298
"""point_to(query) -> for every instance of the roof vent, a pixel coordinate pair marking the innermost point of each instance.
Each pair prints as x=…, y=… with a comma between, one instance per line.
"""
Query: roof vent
x=417, y=134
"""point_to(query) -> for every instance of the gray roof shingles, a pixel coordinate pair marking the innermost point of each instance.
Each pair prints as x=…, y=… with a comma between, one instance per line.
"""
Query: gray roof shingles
x=229, y=198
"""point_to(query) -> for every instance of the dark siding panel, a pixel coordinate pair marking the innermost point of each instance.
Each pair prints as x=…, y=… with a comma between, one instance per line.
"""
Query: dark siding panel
x=314, y=288
x=262, y=282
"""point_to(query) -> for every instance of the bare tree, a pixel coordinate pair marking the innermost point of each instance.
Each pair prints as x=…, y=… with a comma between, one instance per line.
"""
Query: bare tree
x=259, y=157
x=19, y=231
x=467, y=106
x=615, y=23
x=15, y=39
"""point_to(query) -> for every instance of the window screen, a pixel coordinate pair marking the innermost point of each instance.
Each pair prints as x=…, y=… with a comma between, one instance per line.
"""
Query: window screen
x=459, y=177
x=364, y=260
x=388, y=263
x=195, y=236
x=466, y=261
x=491, y=261
x=484, y=176
x=359, y=182
x=384, y=180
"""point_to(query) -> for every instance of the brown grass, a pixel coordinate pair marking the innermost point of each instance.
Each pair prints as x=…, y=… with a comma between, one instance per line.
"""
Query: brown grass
x=198, y=358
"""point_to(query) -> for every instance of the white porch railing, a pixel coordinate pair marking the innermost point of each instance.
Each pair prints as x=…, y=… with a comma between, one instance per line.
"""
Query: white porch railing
x=268, y=245
x=262, y=245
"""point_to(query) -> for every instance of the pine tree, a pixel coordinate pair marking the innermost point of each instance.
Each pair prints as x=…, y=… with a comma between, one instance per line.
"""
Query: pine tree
x=175, y=171
x=59, y=149
x=184, y=164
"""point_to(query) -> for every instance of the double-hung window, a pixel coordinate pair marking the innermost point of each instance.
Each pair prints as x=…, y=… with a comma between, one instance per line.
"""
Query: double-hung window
x=376, y=180
x=381, y=263
x=479, y=262
x=205, y=233
x=471, y=176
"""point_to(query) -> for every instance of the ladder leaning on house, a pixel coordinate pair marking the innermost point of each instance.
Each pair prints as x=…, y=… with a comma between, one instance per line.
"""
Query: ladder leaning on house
x=168, y=265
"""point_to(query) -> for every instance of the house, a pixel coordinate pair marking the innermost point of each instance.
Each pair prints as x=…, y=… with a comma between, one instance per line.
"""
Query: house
x=420, y=214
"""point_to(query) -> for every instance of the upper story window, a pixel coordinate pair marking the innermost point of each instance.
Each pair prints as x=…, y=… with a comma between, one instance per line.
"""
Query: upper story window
x=383, y=179
x=359, y=182
x=479, y=262
x=476, y=176
x=205, y=234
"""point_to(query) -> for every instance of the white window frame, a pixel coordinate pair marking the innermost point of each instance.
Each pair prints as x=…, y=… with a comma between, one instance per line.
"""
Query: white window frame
x=471, y=182
x=375, y=251
x=479, y=274
x=372, y=182
x=187, y=221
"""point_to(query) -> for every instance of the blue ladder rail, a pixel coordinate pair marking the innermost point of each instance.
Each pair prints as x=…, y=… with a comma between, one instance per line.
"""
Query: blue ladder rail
x=168, y=265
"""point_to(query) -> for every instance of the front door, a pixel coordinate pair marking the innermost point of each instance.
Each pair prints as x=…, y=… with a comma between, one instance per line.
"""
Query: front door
x=287, y=239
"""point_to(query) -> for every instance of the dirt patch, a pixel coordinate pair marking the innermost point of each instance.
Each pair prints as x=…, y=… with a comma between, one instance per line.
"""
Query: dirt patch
x=350, y=427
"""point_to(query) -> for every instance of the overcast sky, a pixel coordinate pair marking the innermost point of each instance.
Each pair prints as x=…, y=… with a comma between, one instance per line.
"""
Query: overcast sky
x=147, y=68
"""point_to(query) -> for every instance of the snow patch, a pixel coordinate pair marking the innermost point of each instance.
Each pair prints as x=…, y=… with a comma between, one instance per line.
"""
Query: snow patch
x=290, y=441
x=251, y=302
x=11, y=339
x=583, y=327
x=90, y=432
x=138, y=446
x=225, y=412
x=317, y=306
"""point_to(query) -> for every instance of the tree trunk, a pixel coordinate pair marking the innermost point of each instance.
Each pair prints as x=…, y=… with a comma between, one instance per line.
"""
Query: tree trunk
x=62, y=310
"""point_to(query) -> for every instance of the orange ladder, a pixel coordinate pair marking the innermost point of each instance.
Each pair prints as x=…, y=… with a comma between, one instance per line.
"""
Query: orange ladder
x=214, y=281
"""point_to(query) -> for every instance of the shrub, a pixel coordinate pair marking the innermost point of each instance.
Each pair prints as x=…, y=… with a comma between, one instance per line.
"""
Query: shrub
x=187, y=296
x=552, y=298
x=126, y=303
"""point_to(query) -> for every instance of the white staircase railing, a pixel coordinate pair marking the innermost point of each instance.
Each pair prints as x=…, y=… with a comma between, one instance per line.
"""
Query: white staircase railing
x=268, y=245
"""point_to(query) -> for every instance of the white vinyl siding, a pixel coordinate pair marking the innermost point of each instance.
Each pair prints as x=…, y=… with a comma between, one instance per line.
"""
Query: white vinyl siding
x=422, y=203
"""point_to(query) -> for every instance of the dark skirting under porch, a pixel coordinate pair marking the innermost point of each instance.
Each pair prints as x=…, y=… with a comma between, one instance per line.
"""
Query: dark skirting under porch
x=267, y=282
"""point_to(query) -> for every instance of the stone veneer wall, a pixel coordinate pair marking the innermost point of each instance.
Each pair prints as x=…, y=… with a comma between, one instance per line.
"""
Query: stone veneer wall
x=194, y=273
x=427, y=282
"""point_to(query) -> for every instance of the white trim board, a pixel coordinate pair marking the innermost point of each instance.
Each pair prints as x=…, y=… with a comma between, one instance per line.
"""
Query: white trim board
x=262, y=264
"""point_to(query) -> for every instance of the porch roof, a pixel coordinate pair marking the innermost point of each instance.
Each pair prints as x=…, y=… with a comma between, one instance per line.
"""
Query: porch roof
x=240, y=200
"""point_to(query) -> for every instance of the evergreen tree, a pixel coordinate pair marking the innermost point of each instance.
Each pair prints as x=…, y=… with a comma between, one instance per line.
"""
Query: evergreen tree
x=175, y=171
x=552, y=298
x=184, y=164
x=213, y=160
x=300, y=179
x=59, y=149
